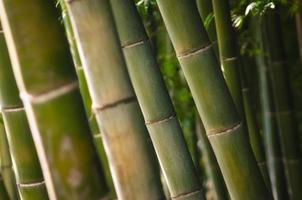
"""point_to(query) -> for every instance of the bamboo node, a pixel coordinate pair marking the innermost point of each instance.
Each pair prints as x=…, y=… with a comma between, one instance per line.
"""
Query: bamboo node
x=134, y=44
x=161, y=120
x=223, y=131
x=11, y=109
x=49, y=95
x=34, y=184
x=125, y=100
x=99, y=135
x=230, y=59
x=187, y=194
x=194, y=51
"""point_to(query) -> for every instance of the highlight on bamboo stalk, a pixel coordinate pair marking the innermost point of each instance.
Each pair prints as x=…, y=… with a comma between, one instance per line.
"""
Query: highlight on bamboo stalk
x=150, y=100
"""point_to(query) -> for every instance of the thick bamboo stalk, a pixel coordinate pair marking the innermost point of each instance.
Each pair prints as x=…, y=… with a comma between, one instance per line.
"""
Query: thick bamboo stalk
x=6, y=166
x=225, y=130
x=3, y=192
x=163, y=126
x=28, y=172
x=126, y=140
x=270, y=130
x=86, y=97
x=45, y=76
x=283, y=104
x=211, y=165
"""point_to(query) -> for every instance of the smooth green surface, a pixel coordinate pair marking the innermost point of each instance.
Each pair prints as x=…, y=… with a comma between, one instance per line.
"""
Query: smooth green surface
x=156, y=105
x=286, y=123
x=126, y=140
x=226, y=132
x=45, y=75
x=3, y=192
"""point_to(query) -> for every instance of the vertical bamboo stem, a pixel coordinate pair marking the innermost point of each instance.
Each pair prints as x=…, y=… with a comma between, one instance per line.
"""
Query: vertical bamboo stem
x=225, y=130
x=283, y=104
x=45, y=76
x=127, y=144
x=166, y=134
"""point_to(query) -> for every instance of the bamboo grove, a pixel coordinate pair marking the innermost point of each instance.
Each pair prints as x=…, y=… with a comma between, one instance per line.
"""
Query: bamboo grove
x=150, y=100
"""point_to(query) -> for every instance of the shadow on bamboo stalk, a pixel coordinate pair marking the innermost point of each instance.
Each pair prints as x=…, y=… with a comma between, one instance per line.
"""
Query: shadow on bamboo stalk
x=44, y=72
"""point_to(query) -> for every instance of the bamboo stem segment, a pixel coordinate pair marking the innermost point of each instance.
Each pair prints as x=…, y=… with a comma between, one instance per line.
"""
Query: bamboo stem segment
x=45, y=77
x=166, y=134
x=226, y=133
x=126, y=140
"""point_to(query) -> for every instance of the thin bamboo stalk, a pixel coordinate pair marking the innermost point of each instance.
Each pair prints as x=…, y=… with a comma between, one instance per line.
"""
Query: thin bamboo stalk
x=28, y=172
x=225, y=130
x=86, y=97
x=211, y=165
x=270, y=130
x=6, y=166
x=235, y=78
x=132, y=160
x=45, y=76
x=3, y=192
x=160, y=118
x=283, y=104
x=299, y=28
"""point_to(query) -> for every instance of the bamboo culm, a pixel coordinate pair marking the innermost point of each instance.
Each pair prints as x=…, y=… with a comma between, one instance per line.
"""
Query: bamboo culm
x=117, y=112
x=28, y=172
x=45, y=76
x=86, y=98
x=224, y=128
x=163, y=126
x=283, y=106
x=269, y=124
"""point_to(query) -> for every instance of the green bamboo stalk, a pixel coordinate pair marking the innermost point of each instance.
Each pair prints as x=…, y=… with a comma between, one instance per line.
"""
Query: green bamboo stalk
x=45, y=76
x=6, y=166
x=205, y=9
x=127, y=144
x=236, y=80
x=270, y=130
x=211, y=165
x=284, y=109
x=225, y=130
x=3, y=192
x=163, y=126
x=28, y=172
x=299, y=27
x=86, y=97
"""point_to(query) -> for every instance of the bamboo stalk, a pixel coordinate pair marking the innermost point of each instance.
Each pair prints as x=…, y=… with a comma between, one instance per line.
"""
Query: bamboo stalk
x=126, y=140
x=211, y=165
x=236, y=80
x=283, y=104
x=6, y=166
x=163, y=126
x=45, y=76
x=225, y=130
x=299, y=27
x=28, y=172
x=86, y=98
x=270, y=130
